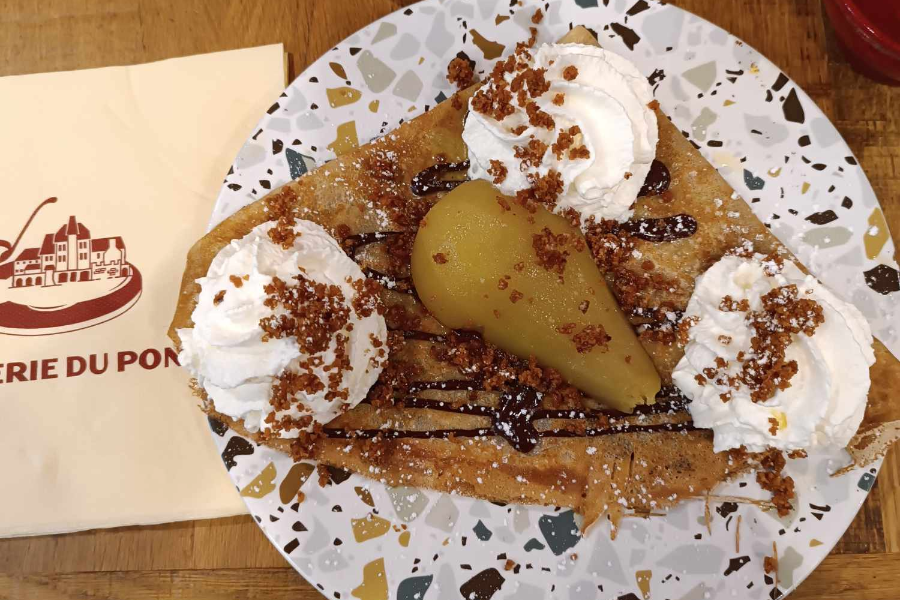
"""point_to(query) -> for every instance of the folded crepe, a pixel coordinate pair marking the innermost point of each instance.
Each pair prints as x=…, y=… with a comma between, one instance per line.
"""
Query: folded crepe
x=448, y=438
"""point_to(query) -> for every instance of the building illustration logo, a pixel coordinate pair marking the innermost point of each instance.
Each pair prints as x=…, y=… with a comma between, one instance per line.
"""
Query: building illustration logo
x=71, y=281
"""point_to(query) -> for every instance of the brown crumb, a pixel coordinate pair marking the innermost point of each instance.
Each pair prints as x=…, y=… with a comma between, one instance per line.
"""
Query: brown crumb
x=236, y=281
x=301, y=497
x=783, y=315
x=552, y=250
x=729, y=304
x=502, y=284
x=579, y=153
x=583, y=307
x=628, y=175
x=519, y=129
x=504, y=203
x=456, y=102
x=510, y=565
x=496, y=314
x=653, y=105
x=537, y=117
x=570, y=73
x=592, y=336
x=440, y=258
x=567, y=328
x=519, y=267
x=498, y=171
x=771, y=479
x=724, y=339
x=219, y=297
x=531, y=155
x=559, y=99
x=460, y=73
x=322, y=473
x=648, y=265
x=564, y=140
x=515, y=296
x=537, y=17
x=797, y=454
x=773, y=426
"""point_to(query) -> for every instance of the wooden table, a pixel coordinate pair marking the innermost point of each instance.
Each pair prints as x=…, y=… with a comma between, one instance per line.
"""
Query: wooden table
x=230, y=558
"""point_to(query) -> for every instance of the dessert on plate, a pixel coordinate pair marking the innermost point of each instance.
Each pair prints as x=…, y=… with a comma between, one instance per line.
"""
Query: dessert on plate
x=536, y=292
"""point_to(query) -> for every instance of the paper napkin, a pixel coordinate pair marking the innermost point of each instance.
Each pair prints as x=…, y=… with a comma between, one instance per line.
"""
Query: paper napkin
x=107, y=176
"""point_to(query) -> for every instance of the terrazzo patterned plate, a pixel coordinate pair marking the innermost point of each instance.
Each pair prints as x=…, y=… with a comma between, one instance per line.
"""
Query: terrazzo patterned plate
x=356, y=538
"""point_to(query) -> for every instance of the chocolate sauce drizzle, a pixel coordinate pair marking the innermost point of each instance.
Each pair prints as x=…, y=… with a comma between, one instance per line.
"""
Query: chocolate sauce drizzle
x=664, y=229
x=397, y=284
x=352, y=244
x=517, y=409
x=432, y=179
x=657, y=181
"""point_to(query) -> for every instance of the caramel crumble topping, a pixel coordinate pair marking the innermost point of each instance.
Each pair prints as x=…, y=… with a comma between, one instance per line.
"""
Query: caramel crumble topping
x=515, y=296
x=592, y=336
x=564, y=140
x=771, y=479
x=559, y=99
x=567, y=328
x=773, y=426
x=498, y=171
x=219, y=297
x=313, y=313
x=440, y=258
x=460, y=73
x=552, y=250
x=570, y=73
x=579, y=153
x=537, y=17
x=583, y=307
x=729, y=304
x=236, y=281
x=767, y=370
x=502, y=283
x=531, y=155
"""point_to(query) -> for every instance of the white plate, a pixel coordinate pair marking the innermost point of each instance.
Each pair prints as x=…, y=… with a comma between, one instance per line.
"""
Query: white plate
x=772, y=144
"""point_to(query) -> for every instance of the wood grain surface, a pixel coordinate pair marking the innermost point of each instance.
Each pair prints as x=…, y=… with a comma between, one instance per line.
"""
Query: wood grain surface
x=230, y=558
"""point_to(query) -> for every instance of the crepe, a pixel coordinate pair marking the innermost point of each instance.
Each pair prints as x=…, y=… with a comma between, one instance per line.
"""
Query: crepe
x=592, y=460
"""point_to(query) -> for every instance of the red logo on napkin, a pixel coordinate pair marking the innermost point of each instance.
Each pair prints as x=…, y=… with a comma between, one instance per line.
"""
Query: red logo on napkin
x=73, y=280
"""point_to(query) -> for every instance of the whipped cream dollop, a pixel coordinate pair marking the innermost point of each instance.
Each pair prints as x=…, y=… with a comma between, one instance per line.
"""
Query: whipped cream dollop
x=608, y=100
x=826, y=399
x=237, y=365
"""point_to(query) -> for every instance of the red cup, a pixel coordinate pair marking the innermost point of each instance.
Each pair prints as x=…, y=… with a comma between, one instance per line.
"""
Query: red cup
x=868, y=32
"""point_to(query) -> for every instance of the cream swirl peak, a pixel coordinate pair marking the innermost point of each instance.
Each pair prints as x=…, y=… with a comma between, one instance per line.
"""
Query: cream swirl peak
x=809, y=391
x=574, y=115
x=285, y=335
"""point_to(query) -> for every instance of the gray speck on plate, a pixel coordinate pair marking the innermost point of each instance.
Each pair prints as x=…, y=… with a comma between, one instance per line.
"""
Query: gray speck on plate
x=703, y=76
x=377, y=75
x=439, y=39
x=405, y=47
x=409, y=86
x=385, y=30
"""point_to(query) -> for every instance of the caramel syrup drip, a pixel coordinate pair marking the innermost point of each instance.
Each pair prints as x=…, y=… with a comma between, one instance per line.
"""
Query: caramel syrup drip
x=432, y=179
x=657, y=181
x=664, y=229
